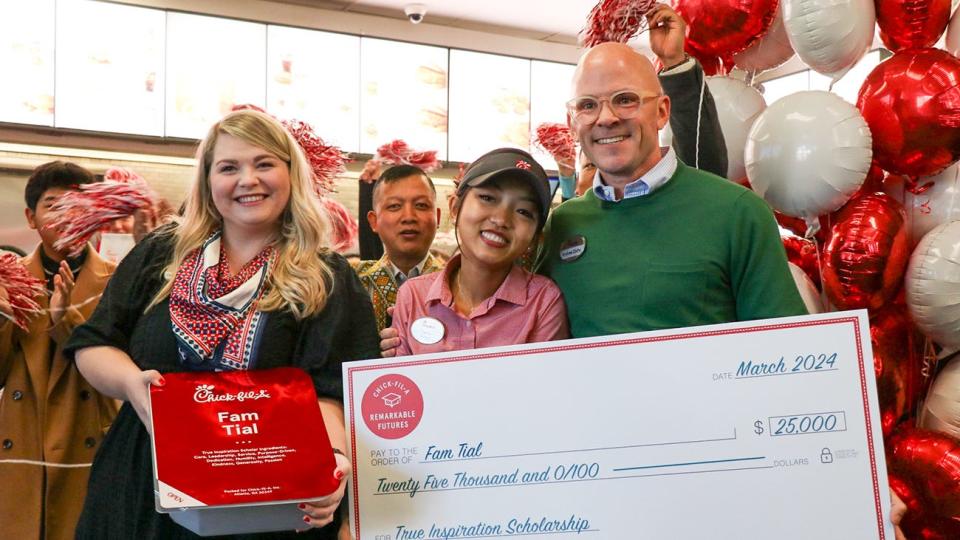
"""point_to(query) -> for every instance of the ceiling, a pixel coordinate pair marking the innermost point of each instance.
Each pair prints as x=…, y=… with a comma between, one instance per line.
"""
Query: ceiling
x=532, y=19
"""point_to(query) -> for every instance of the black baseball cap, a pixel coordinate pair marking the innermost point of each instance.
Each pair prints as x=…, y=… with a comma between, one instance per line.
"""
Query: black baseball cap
x=509, y=162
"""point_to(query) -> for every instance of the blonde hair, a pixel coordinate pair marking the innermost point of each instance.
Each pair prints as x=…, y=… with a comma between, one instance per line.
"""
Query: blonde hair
x=300, y=280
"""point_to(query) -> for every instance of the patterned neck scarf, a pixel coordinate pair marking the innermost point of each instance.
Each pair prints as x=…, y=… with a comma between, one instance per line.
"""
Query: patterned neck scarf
x=215, y=317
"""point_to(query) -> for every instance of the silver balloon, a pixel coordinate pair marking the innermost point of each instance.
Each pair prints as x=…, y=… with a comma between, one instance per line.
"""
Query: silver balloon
x=933, y=285
x=830, y=36
x=941, y=408
x=770, y=51
x=938, y=204
x=808, y=291
x=808, y=153
x=738, y=106
x=953, y=34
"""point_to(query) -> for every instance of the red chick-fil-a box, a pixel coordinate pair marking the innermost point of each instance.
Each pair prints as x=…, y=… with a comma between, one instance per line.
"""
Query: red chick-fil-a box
x=237, y=451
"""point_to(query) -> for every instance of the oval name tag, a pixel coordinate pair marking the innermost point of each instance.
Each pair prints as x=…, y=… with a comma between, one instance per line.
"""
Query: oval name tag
x=573, y=248
x=427, y=330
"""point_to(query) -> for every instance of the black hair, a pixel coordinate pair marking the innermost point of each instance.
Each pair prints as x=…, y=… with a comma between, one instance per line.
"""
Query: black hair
x=14, y=249
x=56, y=174
x=399, y=172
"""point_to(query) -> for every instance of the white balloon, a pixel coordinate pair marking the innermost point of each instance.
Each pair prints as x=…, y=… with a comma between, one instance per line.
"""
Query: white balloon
x=941, y=408
x=738, y=105
x=770, y=51
x=933, y=285
x=808, y=153
x=939, y=204
x=808, y=291
x=953, y=34
x=830, y=36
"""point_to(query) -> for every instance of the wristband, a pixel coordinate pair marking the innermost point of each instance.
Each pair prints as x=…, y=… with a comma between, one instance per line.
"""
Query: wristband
x=686, y=58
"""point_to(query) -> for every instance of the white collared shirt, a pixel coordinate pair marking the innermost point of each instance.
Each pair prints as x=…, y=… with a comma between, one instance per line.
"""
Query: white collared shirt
x=646, y=184
x=400, y=277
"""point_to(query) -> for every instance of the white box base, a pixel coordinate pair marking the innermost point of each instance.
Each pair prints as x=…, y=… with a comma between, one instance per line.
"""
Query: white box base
x=213, y=521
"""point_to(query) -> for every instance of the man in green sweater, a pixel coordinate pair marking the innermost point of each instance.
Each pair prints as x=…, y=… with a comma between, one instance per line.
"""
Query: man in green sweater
x=655, y=243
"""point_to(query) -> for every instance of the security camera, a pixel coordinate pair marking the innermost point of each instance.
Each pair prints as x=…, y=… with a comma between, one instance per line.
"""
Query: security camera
x=415, y=12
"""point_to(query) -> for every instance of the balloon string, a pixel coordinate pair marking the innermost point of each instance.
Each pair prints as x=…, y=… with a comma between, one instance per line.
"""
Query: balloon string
x=824, y=300
x=703, y=88
x=54, y=310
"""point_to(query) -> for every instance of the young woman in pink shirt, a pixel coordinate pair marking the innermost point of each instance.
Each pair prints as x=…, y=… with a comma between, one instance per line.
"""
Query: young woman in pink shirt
x=483, y=298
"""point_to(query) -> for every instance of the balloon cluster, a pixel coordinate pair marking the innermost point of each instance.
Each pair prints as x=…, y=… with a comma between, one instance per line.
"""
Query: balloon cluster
x=867, y=197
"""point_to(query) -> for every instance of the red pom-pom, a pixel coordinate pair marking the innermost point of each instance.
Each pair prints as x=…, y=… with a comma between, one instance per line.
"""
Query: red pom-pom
x=326, y=160
x=80, y=214
x=344, y=228
x=557, y=140
x=249, y=107
x=398, y=152
x=22, y=288
x=615, y=20
x=119, y=174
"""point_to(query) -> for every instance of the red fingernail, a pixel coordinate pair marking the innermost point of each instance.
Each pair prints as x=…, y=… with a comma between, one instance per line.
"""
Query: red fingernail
x=338, y=474
x=306, y=519
x=161, y=381
x=301, y=506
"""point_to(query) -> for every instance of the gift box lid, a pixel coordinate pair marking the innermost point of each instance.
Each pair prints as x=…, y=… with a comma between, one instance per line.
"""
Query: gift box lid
x=239, y=439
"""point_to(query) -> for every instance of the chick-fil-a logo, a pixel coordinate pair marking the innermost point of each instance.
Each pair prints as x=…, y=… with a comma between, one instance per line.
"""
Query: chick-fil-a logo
x=204, y=394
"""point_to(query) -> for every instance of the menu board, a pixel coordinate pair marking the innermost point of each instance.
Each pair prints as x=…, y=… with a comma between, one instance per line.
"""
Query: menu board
x=26, y=54
x=212, y=65
x=489, y=103
x=403, y=95
x=549, y=93
x=110, y=74
x=315, y=77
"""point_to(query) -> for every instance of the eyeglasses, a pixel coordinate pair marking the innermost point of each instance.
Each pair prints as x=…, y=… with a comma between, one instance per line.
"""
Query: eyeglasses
x=625, y=105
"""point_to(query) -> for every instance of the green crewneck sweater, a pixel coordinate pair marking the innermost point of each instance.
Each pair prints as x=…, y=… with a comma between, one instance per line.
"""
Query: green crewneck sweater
x=699, y=250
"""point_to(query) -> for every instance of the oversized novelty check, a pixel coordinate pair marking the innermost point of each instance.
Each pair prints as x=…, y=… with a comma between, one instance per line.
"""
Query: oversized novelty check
x=757, y=430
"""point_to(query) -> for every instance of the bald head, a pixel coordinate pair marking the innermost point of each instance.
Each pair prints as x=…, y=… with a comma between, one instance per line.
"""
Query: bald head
x=620, y=138
x=620, y=58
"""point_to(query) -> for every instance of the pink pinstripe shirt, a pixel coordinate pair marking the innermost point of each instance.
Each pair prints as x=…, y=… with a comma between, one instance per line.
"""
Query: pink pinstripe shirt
x=527, y=308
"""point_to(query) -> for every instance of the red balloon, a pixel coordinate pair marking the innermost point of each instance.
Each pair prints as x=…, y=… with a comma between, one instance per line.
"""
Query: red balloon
x=799, y=227
x=803, y=253
x=924, y=469
x=866, y=255
x=718, y=29
x=912, y=104
x=897, y=364
x=910, y=24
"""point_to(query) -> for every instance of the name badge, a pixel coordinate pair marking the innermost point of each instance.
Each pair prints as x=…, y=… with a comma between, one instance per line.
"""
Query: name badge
x=573, y=248
x=427, y=330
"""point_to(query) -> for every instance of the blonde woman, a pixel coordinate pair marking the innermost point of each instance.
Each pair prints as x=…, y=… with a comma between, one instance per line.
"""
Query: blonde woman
x=251, y=229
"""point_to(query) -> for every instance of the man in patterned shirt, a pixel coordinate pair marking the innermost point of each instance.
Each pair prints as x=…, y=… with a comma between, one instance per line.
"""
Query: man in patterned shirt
x=406, y=217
